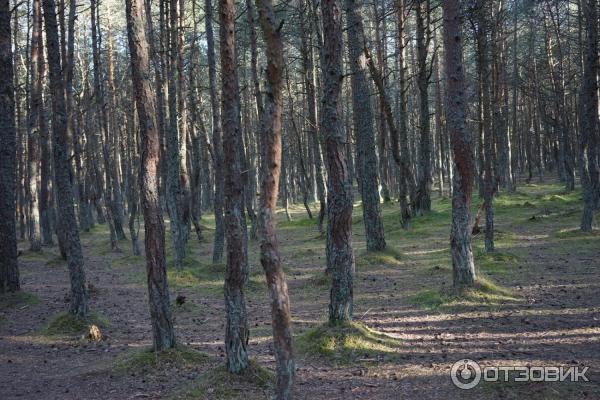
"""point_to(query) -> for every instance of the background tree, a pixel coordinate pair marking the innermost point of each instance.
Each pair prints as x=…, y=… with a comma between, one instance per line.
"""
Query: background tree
x=9, y=269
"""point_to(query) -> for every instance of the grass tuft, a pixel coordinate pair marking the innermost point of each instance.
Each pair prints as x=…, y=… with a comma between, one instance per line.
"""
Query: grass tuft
x=67, y=324
x=387, y=257
x=148, y=361
x=347, y=343
x=483, y=293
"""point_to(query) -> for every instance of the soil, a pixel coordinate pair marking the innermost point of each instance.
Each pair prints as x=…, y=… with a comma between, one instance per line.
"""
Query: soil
x=553, y=319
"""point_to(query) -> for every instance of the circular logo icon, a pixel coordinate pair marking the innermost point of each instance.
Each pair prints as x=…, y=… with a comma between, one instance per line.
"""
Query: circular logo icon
x=465, y=374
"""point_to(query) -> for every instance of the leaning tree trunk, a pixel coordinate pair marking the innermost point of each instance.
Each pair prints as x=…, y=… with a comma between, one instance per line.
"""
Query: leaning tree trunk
x=340, y=257
x=236, y=275
x=66, y=210
x=9, y=269
x=463, y=268
x=363, y=127
x=271, y=169
x=156, y=264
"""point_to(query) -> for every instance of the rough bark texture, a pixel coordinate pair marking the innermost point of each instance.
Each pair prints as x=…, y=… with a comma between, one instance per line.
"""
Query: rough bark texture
x=589, y=118
x=312, y=126
x=174, y=183
x=9, y=270
x=236, y=275
x=66, y=210
x=462, y=146
x=486, y=144
x=340, y=257
x=271, y=169
x=423, y=194
x=219, y=241
x=156, y=265
x=36, y=122
x=363, y=128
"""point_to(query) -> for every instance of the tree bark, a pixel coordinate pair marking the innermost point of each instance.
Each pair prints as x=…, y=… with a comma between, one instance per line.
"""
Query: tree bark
x=156, y=265
x=219, y=241
x=9, y=269
x=588, y=109
x=463, y=268
x=236, y=275
x=66, y=209
x=423, y=194
x=340, y=257
x=36, y=123
x=363, y=128
x=271, y=169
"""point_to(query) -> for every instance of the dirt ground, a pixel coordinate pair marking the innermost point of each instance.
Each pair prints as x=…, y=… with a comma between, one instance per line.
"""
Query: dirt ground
x=549, y=314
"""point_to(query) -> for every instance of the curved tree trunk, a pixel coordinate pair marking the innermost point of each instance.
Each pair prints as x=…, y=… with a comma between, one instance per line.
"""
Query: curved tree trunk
x=271, y=169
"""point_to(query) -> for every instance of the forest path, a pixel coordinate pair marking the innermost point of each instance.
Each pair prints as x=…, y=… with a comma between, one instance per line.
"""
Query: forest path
x=550, y=317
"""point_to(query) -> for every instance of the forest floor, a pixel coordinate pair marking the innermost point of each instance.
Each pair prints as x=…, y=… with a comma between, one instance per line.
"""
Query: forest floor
x=543, y=308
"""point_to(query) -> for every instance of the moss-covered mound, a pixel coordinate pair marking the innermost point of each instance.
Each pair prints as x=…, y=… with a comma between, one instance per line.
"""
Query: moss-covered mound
x=484, y=293
x=346, y=343
x=147, y=361
x=67, y=324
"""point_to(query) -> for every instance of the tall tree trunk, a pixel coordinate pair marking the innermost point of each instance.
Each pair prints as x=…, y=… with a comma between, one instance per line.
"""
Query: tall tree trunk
x=487, y=141
x=363, y=127
x=36, y=122
x=271, y=168
x=463, y=268
x=423, y=193
x=9, y=269
x=236, y=275
x=312, y=124
x=219, y=241
x=174, y=184
x=156, y=264
x=340, y=256
x=588, y=109
x=66, y=209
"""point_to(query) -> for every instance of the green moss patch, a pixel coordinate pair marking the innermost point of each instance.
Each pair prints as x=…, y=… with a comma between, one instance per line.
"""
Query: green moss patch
x=347, y=343
x=484, y=293
x=389, y=257
x=495, y=262
x=147, y=361
x=67, y=324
